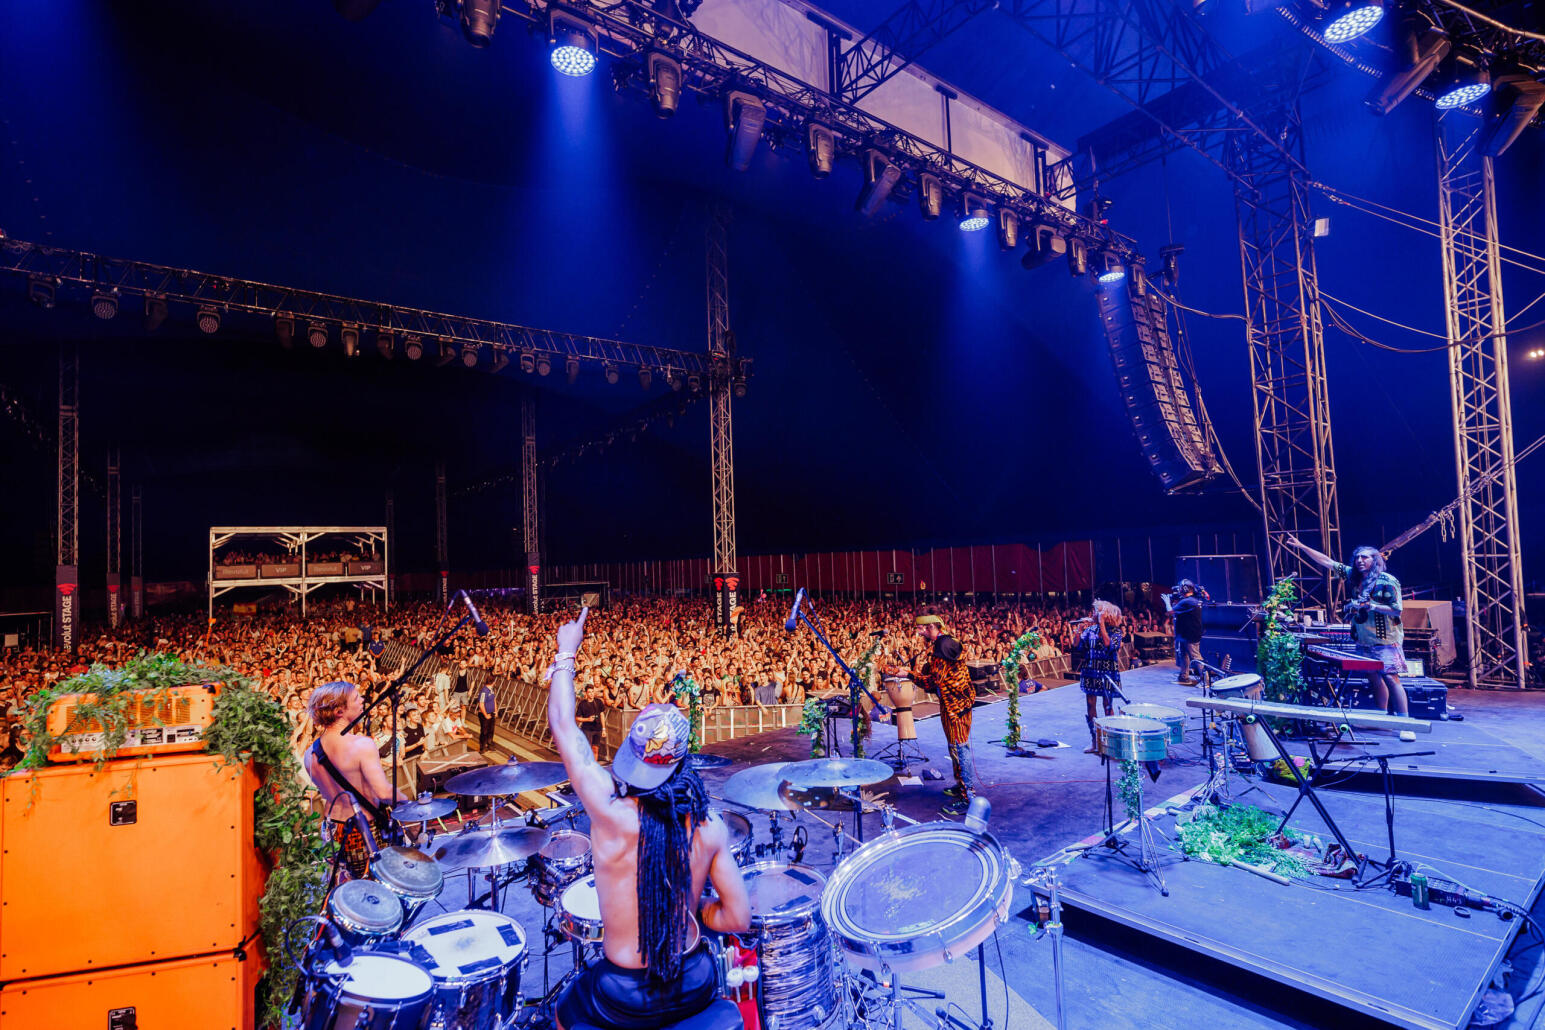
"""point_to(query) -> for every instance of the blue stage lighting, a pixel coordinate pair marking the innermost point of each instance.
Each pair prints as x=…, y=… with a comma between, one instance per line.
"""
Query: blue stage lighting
x=1351, y=21
x=572, y=47
x=1112, y=275
x=1109, y=270
x=1460, y=80
x=973, y=214
x=1459, y=96
x=573, y=60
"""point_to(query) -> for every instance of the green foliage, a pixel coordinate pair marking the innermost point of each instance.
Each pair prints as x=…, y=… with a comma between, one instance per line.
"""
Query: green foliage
x=1130, y=787
x=1028, y=642
x=685, y=686
x=812, y=723
x=1278, y=656
x=1247, y=834
x=864, y=667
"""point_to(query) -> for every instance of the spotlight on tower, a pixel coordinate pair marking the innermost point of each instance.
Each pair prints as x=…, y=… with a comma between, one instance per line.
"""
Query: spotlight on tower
x=479, y=18
x=664, y=83
x=447, y=354
x=284, y=325
x=469, y=355
x=386, y=345
x=820, y=149
x=208, y=320
x=40, y=292
x=880, y=178
x=1169, y=258
x=1044, y=245
x=1008, y=228
x=316, y=335
x=571, y=369
x=611, y=374
x=1109, y=270
x=1419, y=46
x=930, y=196
x=413, y=347
x=571, y=45
x=973, y=213
x=1461, y=80
x=544, y=364
x=527, y=362
x=1517, y=96
x=1078, y=257
x=673, y=378
x=1349, y=19
x=695, y=383
x=744, y=116
x=645, y=378
x=349, y=334
x=104, y=306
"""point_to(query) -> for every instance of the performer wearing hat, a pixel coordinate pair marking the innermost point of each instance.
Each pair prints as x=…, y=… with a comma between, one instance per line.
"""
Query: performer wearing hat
x=654, y=845
x=946, y=675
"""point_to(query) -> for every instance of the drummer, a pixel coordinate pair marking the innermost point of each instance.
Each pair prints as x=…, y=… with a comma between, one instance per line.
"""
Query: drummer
x=655, y=845
x=946, y=674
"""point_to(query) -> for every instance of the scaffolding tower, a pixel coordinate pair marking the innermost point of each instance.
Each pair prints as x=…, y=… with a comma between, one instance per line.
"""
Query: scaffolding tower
x=721, y=351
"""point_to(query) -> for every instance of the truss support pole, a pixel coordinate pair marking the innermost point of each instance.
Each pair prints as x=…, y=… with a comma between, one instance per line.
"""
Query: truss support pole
x=136, y=553
x=721, y=437
x=389, y=552
x=114, y=539
x=1483, y=417
x=530, y=505
x=1287, y=352
x=67, y=533
x=442, y=552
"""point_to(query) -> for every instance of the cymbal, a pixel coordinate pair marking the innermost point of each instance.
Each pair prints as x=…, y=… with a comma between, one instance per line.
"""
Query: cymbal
x=506, y=780
x=836, y=772
x=757, y=787
x=483, y=849
x=704, y=760
x=423, y=811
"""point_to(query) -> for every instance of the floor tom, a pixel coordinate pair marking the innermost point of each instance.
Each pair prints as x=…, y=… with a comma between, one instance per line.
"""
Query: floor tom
x=798, y=974
x=373, y=992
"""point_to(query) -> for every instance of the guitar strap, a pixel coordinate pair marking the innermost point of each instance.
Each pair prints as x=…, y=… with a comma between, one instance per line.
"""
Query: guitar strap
x=373, y=809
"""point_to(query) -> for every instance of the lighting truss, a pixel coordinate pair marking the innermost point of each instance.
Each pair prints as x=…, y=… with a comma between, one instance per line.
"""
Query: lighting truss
x=530, y=523
x=904, y=36
x=720, y=430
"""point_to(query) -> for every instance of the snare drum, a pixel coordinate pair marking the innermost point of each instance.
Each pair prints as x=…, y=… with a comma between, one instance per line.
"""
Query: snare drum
x=1127, y=738
x=794, y=950
x=1174, y=718
x=364, y=912
x=410, y=874
x=902, y=692
x=563, y=859
x=919, y=896
x=373, y=992
x=475, y=959
x=742, y=837
x=579, y=911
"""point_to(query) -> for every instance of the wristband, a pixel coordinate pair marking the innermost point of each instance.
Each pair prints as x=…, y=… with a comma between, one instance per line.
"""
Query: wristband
x=561, y=655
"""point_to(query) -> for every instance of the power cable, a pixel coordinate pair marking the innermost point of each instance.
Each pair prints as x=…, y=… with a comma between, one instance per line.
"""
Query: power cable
x=1389, y=321
x=1196, y=311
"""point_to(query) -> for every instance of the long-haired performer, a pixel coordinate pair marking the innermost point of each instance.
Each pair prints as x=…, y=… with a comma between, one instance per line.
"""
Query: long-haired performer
x=1374, y=610
x=1100, y=672
x=654, y=845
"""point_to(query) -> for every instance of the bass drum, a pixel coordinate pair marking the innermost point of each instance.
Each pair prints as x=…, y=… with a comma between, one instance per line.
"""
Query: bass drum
x=475, y=958
x=373, y=992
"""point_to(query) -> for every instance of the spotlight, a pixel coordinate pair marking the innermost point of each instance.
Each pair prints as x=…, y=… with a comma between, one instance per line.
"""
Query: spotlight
x=413, y=347
x=501, y=361
x=739, y=387
x=350, y=336
x=645, y=378
x=527, y=362
x=1109, y=270
x=571, y=369
x=386, y=345
x=469, y=355
x=1045, y=245
x=208, y=320
x=973, y=213
x=695, y=383
x=104, y=306
x=40, y=292
x=820, y=149
x=674, y=380
x=1536, y=354
x=571, y=46
x=544, y=365
x=1517, y=96
x=1461, y=81
x=1008, y=229
x=1169, y=256
x=479, y=18
x=610, y=371
x=1321, y=228
x=664, y=83
x=316, y=335
x=284, y=326
x=1349, y=19
x=1419, y=46
x=447, y=354
x=1078, y=257
x=744, y=116
x=880, y=177
x=930, y=196
x=1137, y=281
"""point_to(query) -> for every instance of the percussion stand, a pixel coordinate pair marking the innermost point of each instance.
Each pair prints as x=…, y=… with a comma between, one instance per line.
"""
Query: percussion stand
x=1051, y=881
x=1147, y=859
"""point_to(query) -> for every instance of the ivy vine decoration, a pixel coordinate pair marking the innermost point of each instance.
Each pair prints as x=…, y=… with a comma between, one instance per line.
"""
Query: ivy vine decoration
x=1279, y=656
x=812, y=724
x=1029, y=641
x=685, y=686
x=1130, y=788
x=864, y=668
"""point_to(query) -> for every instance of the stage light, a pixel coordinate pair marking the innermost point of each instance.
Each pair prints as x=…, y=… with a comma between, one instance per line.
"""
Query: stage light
x=645, y=378
x=1109, y=270
x=1461, y=80
x=1536, y=354
x=104, y=306
x=1349, y=19
x=544, y=365
x=664, y=83
x=350, y=336
x=744, y=116
x=1045, y=245
x=413, y=347
x=479, y=18
x=610, y=371
x=930, y=196
x=571, y=46
x=880, y=178
x=1419, y=46
x=820, y=149
x=695, y=383
x=447, y=354
x=40, y=292
x=316, y=335
x=1078, y=257
x=1137, y=281
x=501, y=361
x=739, y=387
x=208, y=320
x=674, y=379
x=1008, y=228
x=973, y=214
x=386, y=345
x=284, y=326
x=469, y=355
x=571, y=369
x=527, y=362
x=1517, y=96
x=1321, y=228
x=1169, y=256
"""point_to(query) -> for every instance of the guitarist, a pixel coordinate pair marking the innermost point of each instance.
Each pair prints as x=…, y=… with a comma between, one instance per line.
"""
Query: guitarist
x=347, y=770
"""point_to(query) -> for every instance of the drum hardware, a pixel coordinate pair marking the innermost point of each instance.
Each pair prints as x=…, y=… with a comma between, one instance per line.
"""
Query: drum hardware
x=1127, y=738
x=844, y=777
x=1049, y=879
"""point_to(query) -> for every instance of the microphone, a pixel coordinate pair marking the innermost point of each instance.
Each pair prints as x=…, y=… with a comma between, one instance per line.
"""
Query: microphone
x=342, y=953
x=477, y=619
x=977, y=813
x=799, y=599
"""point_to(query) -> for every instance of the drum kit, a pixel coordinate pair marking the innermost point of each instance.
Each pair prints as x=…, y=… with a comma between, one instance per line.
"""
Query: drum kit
x=825, y=949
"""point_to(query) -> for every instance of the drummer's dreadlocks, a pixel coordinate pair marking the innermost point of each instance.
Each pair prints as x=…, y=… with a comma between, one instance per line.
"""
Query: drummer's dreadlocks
x=665, y=867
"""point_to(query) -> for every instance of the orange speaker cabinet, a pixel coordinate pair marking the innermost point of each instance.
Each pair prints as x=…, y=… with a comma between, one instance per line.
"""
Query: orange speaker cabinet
x=145, y=860
x=210, y=993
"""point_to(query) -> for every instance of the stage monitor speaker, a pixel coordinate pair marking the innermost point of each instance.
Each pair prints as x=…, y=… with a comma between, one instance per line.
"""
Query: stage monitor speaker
x=213, y=992
x=141, y=860
x=1155, y=395
x=1229, y=578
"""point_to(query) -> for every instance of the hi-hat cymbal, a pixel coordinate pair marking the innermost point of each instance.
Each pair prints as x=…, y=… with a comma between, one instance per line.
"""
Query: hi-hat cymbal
x=836, y=772
x=483, y=849
x=757, y=787
x=507, y=780
x=423, y=811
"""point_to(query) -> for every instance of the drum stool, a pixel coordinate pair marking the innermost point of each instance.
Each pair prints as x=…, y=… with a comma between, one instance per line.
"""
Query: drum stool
x=721, y=1015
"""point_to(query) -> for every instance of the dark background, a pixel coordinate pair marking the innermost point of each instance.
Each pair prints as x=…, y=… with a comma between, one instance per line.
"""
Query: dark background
x=913, y=384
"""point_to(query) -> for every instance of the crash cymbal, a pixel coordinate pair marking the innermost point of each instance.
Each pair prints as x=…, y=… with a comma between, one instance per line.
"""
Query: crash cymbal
x=423, y=811
x=507, y=780
x=703, y=760
x=836, y=772
x=757, y=787
x=483, y=849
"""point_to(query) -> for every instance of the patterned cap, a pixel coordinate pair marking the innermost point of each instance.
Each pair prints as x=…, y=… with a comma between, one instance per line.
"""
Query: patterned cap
x=657, y=742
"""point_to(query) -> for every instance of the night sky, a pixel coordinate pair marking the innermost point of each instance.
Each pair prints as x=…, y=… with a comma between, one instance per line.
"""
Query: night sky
x=913, y=384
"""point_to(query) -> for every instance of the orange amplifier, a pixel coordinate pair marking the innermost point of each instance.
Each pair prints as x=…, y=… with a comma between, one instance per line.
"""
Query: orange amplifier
x=160, y=722
x=212, y=992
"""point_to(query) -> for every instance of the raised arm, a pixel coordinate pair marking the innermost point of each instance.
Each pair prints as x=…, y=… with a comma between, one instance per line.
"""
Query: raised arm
x=590, y=781
x=1319, y=558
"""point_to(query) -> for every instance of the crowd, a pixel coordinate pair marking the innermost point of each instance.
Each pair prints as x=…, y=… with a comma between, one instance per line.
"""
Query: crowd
x=234, y=556
x=634, y=651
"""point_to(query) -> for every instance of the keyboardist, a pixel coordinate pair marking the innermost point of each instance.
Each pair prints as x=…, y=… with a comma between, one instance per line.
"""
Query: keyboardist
x=1373, y=609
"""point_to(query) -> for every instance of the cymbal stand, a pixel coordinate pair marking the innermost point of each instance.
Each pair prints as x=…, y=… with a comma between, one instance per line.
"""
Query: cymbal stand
x=1146, y=860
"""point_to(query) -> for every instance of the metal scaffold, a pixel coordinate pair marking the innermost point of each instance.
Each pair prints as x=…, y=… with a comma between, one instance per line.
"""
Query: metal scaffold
x=114, y=539
x=721, y=350
x=530, y=505
x=67, y=502
x=442, y=542
x=1483, y=421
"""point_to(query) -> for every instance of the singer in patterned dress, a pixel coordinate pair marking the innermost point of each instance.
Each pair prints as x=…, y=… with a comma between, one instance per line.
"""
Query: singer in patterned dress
x=1100, y=672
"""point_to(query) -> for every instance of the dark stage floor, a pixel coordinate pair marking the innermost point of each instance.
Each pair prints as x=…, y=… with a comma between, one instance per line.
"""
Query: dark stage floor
x=1117, y=976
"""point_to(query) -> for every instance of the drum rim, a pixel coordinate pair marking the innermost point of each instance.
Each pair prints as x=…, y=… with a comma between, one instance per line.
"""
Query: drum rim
x=353, y=924
x=943, y=940
x=343, y=991
x=381, y=875
x=804, y=911
x=418, y=933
